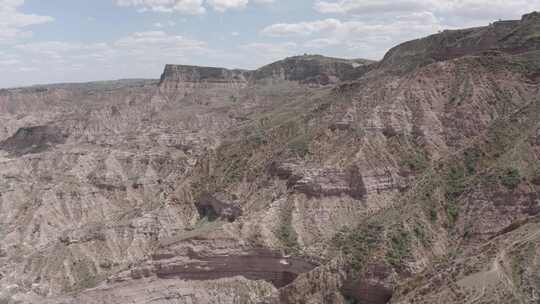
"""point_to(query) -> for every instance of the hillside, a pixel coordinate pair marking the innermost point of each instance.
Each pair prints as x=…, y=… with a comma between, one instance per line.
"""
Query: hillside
x=509, y=36
x=310, y=180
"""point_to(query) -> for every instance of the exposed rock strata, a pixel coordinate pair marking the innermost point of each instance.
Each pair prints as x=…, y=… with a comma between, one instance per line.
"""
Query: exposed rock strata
x=33, y=140
x=321, y=182
x=213, y=208
x=416, y=181
x=511, y=36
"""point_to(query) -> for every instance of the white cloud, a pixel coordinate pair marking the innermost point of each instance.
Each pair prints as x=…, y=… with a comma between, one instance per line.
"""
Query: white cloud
x=371, y=6
x=369, y=38
x=223, y=5
x=457, y=12
x=301, y=28
x=12, y=21
x=268, y=52
x=368, y=28
x=162, y=25
x=27, y=69
x=9, y=62
x=139, y=46
x=189, y=7
x=480, y=12
x=158, y=43
x=192, y=7
x=141, y=54
x=52, y=48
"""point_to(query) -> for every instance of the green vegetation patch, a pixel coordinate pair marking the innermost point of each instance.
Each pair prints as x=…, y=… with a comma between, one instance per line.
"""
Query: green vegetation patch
x=286, y=233
x=356, y=244
x=510, y=178
x=411, y=155
x=420, y=234
x=452, y=212
x=455, y=181
x=300, y=146
x=399, y=248
x=471, y=157
x=416, y=162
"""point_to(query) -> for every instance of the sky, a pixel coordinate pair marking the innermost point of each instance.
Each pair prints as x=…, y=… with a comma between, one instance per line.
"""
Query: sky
x=51, y=41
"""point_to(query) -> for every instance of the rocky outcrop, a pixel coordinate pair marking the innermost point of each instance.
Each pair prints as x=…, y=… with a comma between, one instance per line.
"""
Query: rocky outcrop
x=201, y=85
x=213, y=208
x=512, y=36
x=308, y=69
x=257, y=264
x=322, y=182
x=156, y=291
x=372, y=287
x=33, y=140
x=321, y=285
x=311, y=69
x=197, y=74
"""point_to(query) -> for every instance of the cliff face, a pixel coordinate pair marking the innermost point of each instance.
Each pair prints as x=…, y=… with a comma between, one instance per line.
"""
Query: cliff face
x=311, y=69
x=308, y=69
x=417, y=180
x=200, y=83
x=513, y=36
x=184, y=73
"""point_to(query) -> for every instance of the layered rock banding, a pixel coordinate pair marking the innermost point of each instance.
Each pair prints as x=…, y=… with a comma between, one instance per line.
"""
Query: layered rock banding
x=254, y=265
x=510, y=36
x=322, y=182
x=310, y=180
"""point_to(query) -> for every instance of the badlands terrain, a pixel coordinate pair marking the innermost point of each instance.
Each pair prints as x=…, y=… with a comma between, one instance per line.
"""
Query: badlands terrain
x=415, y=179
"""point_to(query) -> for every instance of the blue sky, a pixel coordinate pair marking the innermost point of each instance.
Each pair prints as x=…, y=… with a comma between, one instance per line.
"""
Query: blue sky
x=49, y=41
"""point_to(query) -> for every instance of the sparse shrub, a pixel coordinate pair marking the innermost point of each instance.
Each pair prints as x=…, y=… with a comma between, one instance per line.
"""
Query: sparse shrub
x=452, y=211
x=358, y=132
x=349, y=299
x=300, y=146
x=356, y=244
x=416, y=162
x=470, y=158
x=433, y=215
x=536, y=179
x=389, y=131
x=455, y=182
x=489, y=180
x=510, y=178
x=288, y=236
x=400, y=246
x=322, y=107
x=235, y=171
x=259, y=137
x=286, y=233
x=417, y=135
x=501, y=135
x=467, y=233
x=420, y=234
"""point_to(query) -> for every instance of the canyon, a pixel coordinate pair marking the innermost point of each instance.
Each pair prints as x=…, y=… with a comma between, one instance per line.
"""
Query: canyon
x=414, y=179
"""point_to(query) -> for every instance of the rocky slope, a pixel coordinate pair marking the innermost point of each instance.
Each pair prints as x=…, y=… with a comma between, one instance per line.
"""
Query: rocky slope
x=310, y=180
x=509, y=36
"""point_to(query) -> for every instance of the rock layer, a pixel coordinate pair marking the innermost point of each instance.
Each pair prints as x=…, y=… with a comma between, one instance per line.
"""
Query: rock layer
x=415, y=181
